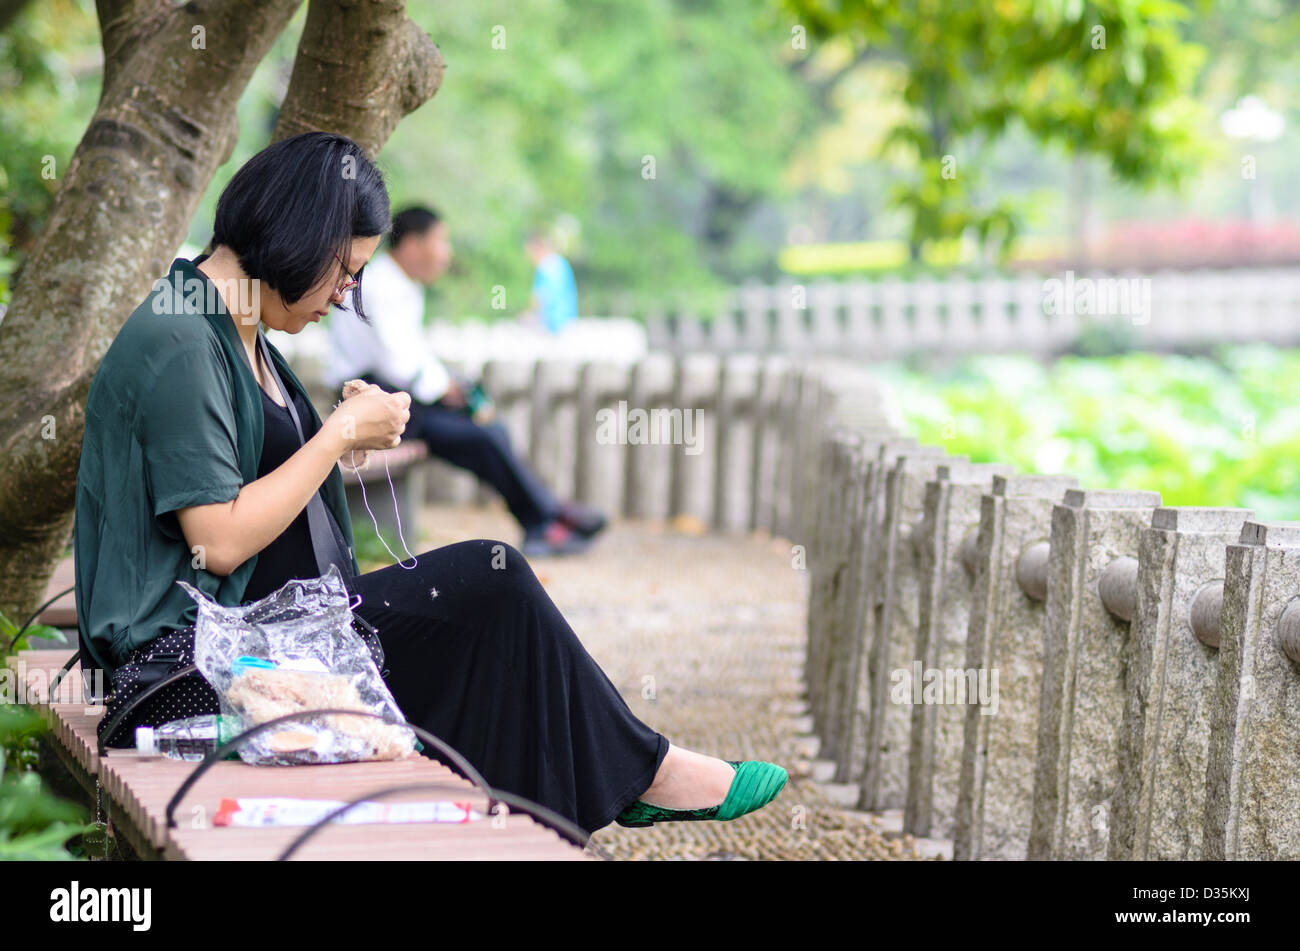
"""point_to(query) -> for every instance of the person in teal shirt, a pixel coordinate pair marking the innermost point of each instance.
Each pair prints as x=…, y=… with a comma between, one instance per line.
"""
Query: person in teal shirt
x=555, y=293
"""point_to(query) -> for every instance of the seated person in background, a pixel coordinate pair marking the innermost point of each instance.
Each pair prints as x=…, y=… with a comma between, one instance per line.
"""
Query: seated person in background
x=555, y=294
x=389, y=350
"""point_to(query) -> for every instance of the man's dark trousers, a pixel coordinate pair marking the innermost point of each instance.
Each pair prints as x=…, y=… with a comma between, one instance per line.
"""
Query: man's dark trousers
x=485, y=451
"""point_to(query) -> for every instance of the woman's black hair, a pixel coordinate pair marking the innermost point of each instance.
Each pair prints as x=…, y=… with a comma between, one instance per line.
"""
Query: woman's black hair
x=296, y=204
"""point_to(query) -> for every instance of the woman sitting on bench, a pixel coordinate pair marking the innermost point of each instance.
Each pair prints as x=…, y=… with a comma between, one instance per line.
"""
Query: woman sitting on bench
x=192, y=469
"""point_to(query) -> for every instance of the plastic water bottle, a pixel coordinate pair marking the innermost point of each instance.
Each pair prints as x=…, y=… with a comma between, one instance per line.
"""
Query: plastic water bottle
x=190, y=739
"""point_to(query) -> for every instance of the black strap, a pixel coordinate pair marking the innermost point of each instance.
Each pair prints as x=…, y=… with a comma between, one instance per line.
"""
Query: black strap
x=323, y=541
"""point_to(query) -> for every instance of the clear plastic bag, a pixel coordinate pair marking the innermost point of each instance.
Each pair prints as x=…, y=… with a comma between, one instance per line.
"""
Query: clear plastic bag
x=296, y=650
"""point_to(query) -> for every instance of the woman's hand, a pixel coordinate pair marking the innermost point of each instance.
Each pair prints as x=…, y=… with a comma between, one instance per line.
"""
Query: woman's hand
x=372, y=419
x=229, y=533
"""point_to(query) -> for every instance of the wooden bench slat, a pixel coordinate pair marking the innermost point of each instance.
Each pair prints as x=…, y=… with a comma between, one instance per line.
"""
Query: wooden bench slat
x=63, y=612
x=142, y=786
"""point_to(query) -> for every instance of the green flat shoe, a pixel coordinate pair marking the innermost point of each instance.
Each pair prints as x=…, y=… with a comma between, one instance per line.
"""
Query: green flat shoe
x=756, y=784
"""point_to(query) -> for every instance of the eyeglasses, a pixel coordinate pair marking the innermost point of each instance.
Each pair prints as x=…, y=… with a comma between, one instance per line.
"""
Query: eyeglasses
x=350, y=283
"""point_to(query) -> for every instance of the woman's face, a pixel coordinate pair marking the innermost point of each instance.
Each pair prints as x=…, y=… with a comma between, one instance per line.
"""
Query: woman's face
x=316, y=303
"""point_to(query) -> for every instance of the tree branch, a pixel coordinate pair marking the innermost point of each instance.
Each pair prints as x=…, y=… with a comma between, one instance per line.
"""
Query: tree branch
x=358, y=90
x=122, y=24
x=823, y=86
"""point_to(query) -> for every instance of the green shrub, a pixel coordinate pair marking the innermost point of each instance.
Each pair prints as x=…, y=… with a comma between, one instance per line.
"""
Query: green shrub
x=35, y=825
x=1218, y=430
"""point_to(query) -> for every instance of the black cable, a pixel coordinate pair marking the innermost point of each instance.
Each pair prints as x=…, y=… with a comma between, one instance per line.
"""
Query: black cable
x=137, y=700
x=35, y=615
x=234, y=743
x=63, y=671
x=558, y=823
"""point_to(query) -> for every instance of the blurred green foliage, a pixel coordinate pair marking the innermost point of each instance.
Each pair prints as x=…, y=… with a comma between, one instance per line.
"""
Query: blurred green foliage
x=640, y=132
x=9, y=635
x=34, y=824
x=1215, y=430
x=369, y=546
x=49, y=82
x=1106, y=77
x=677, y=146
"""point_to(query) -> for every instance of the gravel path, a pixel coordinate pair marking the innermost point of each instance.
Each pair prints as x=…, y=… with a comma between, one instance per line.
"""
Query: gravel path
x=703, y=635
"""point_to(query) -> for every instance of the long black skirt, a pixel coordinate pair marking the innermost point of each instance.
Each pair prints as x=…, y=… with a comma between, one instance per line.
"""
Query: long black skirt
x=476, y=653
x=479, y=655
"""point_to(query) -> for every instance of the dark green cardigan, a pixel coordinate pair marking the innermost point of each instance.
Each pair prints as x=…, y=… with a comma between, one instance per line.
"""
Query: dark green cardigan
x=173, y=419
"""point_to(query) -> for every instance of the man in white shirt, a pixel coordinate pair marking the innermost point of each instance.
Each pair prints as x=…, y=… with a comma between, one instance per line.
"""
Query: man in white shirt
x=390, y=351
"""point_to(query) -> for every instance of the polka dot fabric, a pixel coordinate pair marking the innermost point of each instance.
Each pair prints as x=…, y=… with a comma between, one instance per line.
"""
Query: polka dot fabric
x=191, y=696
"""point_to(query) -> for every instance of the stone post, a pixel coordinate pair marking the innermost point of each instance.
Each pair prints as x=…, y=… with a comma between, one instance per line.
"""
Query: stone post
x=695, y=390
x=735, y=431
x=846, y=712
x=598, y=477
x=855, y=541
x=1005, y=638
x=786, y=424
x=1091, y=598
x=646, y=467
x=765, y=457
x=1166, y=734
x=828, y=556
x=946, y=539
x=554, y=424
x=509, y=383
x=812, y=401
x=1253, y=776
x=892, y=624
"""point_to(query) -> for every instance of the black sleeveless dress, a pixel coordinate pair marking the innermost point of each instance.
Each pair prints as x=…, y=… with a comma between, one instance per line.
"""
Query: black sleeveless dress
x=477, y=654
x=290, y=555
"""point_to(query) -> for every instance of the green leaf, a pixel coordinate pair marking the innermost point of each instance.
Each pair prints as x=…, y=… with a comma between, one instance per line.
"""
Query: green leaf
x=46, y=845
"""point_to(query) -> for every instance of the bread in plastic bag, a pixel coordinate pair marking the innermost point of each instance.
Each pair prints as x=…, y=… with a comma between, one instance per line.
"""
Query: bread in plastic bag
x=295, y=650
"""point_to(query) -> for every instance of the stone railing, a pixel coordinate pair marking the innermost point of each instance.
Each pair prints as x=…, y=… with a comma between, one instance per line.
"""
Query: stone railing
x=1162, y=310
x=1038, y=670
x=704, y=437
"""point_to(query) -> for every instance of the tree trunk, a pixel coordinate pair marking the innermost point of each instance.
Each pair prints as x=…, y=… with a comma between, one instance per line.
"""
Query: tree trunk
x=10, y=10
x=164, y=124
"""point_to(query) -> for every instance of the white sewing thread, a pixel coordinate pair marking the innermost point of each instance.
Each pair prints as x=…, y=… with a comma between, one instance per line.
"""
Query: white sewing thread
x=362, y=482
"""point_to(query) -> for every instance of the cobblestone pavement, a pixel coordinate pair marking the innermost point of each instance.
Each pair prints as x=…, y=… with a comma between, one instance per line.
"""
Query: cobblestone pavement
x=703, y=635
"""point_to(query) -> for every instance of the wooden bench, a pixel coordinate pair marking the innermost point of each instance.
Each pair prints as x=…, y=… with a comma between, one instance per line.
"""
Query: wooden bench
x=61, y=613
x=135, y=790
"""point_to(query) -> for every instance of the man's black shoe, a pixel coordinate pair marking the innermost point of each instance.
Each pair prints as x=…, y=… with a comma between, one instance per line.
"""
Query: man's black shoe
x=555, y=538
x=583, y=519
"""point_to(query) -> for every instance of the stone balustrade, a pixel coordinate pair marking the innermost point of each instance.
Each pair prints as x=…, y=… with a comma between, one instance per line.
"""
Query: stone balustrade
x=1034, y=669
x=1043, y=313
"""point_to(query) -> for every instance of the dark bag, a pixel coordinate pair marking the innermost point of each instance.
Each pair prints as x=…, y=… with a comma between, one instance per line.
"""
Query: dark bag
x=144, y=667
